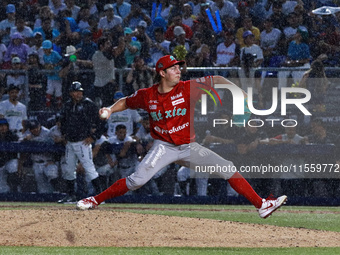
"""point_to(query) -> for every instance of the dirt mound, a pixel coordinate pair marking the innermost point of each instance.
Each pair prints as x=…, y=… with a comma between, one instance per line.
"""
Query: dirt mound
x=64, y=227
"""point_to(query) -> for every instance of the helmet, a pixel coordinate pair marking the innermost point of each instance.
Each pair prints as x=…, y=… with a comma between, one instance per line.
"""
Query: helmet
x=76, y=86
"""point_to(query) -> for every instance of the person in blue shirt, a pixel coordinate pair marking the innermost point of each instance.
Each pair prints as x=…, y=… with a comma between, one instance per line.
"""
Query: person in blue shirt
x=298, y=55
x=121, y=8
x=52, y=60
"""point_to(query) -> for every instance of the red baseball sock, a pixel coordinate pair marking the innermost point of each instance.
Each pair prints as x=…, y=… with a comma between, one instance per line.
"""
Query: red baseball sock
x=117, y=189
x=241, y=186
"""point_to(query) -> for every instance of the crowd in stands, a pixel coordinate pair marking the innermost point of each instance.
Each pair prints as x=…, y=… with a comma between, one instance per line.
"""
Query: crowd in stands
x=45, y=45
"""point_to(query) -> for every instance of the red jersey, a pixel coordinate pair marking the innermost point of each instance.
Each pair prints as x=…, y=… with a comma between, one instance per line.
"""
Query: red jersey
x=171, y=114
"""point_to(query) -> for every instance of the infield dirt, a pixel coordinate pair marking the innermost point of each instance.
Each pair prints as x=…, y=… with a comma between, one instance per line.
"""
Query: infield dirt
x=65, y=227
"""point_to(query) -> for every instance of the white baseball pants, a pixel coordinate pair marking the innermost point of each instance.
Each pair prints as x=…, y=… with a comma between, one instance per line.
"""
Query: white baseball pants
x=191, y=155
x=79, y=151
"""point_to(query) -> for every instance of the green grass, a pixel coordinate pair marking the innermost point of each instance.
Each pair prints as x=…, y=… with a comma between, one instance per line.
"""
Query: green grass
x=322, y=218
x=165, y=251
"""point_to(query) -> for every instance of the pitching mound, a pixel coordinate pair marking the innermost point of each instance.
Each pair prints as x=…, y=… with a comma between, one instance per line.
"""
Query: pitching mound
x=55, y=227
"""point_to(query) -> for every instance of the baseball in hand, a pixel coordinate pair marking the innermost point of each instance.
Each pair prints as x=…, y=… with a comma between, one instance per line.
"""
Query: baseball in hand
x=104, y=115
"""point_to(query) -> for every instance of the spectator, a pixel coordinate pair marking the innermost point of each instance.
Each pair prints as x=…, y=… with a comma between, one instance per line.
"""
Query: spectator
x=180, y=45
x=124, y=156
x=18, y=79
x=258, y=11
x=188, y=18
x=52, y=61
x=247, y=26
x=104, y=69
x=36, y=46
x=36, y=83
x=69, y=30
x=144, y=39
x=269, y=40
x=140, y=75
x=105, y=171
x=292, y=28
x=70, y=70
x=80, y=131
x=45, y=13
x=132, y=46
x=9, y=179
x=143, y=138
x=228, y=52
x=160, y=46
x=289, y=137
x=316, y=82
x=96, y=33
x=44, y=167
x=279, y=19
x=251, y=56
x=320, y=135
x=243, y=10
x=3, y=50
x=144, y=142
x=204, y=59
x=59, y=139
x=46, y=30
x=56, y=6
x=203, y=26
x=17, y=48
x=177, y=22
x=83, y=18
x=71, y=6
x=93, y=7
x=14, y=111
x=129, y=118
x=7, y=24
x=225, y=8
x=247, y=143
x=292, y=183
x=122, y=8
x=135, y=16
x=166, y=9
x=110, y=20
x=298, y=56
x=21, y=28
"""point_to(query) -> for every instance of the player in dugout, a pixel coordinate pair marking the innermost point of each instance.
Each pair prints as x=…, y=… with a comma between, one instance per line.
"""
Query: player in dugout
x=174, y=136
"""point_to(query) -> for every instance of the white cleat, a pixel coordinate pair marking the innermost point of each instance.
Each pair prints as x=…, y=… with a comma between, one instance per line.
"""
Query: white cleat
x=87, y=204
x=270, y=205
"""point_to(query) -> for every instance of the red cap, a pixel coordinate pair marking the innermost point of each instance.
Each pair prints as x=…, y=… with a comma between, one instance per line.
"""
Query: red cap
x=166, y=62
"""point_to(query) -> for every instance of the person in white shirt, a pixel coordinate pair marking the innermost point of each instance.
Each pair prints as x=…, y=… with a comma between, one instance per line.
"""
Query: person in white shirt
x=70, y=5
x=122, y=156
x=188, y=18
x=56, y=6
x=20, y=27
x=228, y=52
x=129, y=118
x=269, y=39
x=251, y=56
x=44, y=167
x=14, y=111
x=104, y=69
x=225, y=7
x=110, y=20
